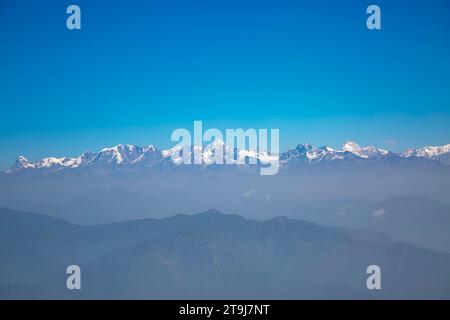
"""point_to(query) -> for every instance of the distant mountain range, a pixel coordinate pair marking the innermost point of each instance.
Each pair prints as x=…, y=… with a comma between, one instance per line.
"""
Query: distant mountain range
x=123, y=158
x=210, y=256
x=130, y=182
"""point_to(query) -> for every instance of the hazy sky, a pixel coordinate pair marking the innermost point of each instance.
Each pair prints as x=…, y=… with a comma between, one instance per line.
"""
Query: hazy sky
x=139, y=69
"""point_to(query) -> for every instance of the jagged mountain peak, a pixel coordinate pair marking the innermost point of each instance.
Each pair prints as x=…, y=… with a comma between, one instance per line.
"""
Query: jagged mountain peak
x=351, y=146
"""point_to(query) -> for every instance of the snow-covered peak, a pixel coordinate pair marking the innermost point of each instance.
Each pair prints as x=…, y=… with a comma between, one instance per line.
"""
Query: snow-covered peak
x=149, y=148
x=305, y=153
x=22, y=160
x=304, y=147
x=112, y=154
x=351, y=146
x=363, y=152
x=48, y=162
x=21, y=163
x=326, y=148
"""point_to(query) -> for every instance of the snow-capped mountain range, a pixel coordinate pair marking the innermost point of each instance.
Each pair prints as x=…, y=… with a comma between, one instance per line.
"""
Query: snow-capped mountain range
x=132, y=156
x=433, y=153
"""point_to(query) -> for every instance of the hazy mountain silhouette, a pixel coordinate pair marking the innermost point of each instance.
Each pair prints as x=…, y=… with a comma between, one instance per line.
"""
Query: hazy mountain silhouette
x=209, y=255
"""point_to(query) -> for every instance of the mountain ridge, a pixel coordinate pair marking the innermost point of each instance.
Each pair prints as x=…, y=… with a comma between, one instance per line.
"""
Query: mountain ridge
x=133, y=156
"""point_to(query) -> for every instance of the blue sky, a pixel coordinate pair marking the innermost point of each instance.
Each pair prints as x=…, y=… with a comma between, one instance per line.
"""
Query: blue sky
x=139, y=69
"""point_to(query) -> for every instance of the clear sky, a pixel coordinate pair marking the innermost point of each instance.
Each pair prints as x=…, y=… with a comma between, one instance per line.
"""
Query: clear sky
x=139, y=69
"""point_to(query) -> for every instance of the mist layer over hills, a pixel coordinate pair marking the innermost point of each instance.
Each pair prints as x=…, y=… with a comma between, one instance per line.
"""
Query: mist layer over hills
x=209, y=255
